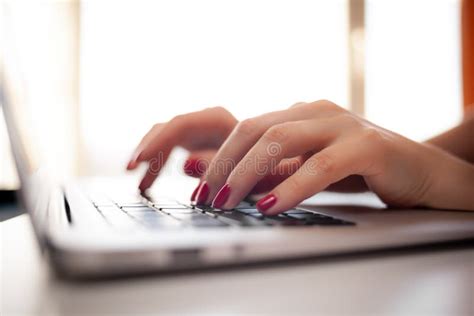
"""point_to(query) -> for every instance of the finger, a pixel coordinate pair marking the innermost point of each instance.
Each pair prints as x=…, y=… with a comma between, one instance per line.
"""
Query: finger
x=197, y=162
x=285, y=140
x=204, y=129
x=152, y=133
x=354, y=183
x=154, y=167
x=284, y=169
x=247, y=133
x=167, y=138
x=328, y=166
x=201, y=127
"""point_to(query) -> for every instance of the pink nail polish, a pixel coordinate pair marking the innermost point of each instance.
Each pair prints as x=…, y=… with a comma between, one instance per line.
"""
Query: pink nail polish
x=266, y=202
x=221, y=196
x=196, y=190
x=202, y=193
x=192, y=167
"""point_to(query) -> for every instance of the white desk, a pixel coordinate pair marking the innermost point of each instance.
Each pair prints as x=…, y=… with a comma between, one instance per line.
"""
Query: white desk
x=427, y=283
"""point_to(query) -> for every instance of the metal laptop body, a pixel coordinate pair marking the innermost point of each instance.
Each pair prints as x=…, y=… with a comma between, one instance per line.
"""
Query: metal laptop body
x=79, y=240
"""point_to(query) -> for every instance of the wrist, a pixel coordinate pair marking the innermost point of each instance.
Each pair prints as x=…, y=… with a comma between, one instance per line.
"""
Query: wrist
x=451, y=184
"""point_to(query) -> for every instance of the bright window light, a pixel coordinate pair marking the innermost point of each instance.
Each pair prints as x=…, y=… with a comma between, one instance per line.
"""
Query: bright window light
x=145, y=61
x=413, y=66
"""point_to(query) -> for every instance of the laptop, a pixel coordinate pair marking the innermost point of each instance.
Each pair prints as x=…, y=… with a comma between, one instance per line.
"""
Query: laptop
x=95, y=228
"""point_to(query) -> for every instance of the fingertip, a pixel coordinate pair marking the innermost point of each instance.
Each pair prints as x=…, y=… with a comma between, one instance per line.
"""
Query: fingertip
x=202, y=194
x=265, y=204
x=196, y=190
x=143, y=187
x=131, y=165
x=135, y=160
x=145, y=183
x=190, y=167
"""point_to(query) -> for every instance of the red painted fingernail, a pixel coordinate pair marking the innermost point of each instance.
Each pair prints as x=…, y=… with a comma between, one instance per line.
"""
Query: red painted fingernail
x=221, y=196
x=265, y=203
x=193, y=195
x=192, y=167
x=202, y=193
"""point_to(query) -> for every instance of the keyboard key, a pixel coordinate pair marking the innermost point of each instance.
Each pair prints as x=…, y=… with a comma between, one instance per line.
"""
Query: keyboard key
x=208, y=223
x=248, y=210
x=245, y=204
x=136, y=204
x=256, y=215
x=166, y=222
x=163, y=200
x=144, y=209
x=190, y=217
x=127, y=199
x=199, y=220
x=170, y=206
x=283, y=220
x=238, y=219
x=117, y=218
x=156, y=220
x=297, y=211
x=172, y=211
x=307, y=216
x=317, y=219
x=101, y=201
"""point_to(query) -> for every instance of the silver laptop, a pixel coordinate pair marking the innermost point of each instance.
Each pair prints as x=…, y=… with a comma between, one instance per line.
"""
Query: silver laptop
x=100, y=228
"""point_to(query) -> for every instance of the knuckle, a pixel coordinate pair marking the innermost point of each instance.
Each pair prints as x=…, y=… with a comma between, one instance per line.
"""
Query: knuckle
x=327, y=105
x=324, y=101
x=348, y=119
x=294, y=184
x=247, y=127
x=218, y=109
x=297, y=104
x=323, y=163
x=177, y=119
x=278, y=133
x=373, y=136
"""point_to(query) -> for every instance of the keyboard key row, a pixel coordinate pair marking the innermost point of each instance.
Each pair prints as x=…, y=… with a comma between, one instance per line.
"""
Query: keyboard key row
x=169, y=214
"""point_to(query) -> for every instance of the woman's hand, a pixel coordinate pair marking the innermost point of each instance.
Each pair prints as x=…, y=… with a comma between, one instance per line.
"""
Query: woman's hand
x=310, y=146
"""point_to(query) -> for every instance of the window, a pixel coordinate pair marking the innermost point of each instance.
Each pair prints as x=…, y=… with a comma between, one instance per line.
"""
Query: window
x=413, y=67
x=146, y=61
x=142, y=62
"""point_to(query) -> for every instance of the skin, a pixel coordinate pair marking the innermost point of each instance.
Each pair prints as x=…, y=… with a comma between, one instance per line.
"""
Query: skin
x=311, y=147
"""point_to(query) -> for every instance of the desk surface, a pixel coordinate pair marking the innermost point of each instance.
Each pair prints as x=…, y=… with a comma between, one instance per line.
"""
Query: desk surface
x=438, y=282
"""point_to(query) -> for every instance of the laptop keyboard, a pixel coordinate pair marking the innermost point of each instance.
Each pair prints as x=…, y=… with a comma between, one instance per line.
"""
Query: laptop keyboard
x=170, y=214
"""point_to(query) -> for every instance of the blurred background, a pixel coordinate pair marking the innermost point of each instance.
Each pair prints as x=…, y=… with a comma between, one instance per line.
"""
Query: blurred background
x=99, y=73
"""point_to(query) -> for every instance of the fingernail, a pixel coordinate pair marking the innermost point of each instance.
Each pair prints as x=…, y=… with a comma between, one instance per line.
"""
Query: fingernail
x=202, y=193
x=193, y=195
x=191, y=167
x=221, y=196
x=266, y=202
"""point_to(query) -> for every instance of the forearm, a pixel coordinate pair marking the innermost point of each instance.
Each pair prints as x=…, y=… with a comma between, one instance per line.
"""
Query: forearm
x=458, y=141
